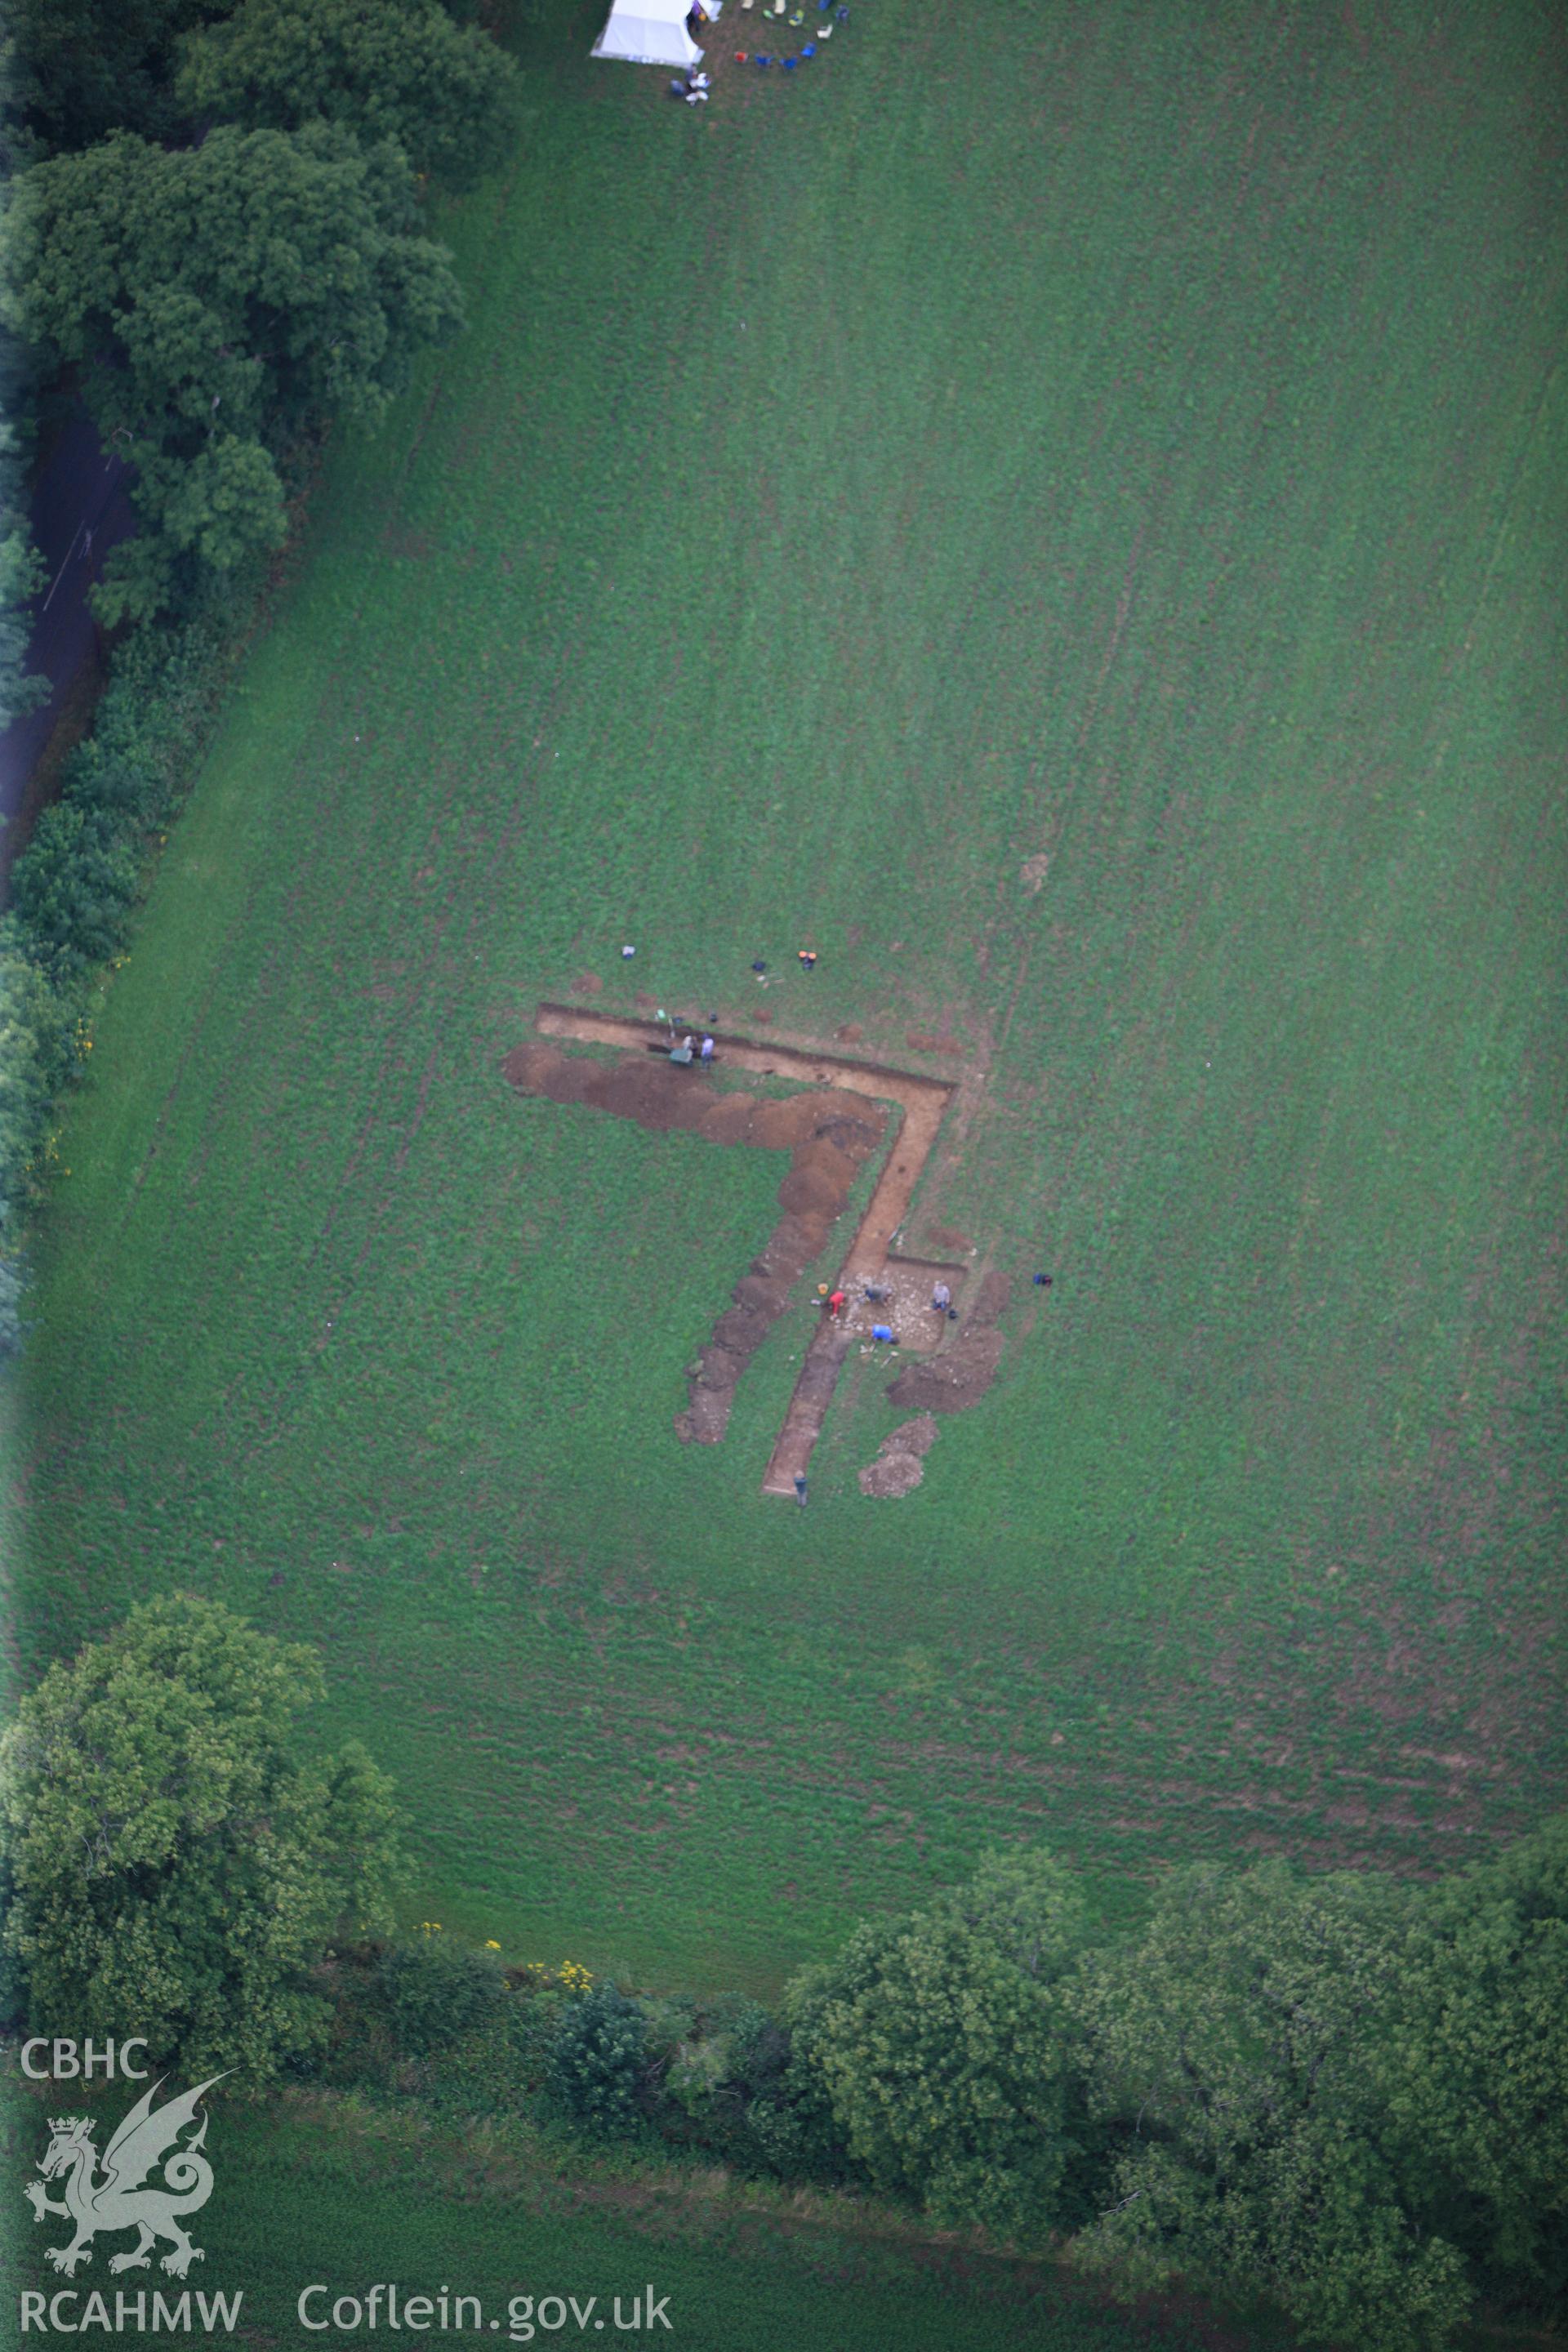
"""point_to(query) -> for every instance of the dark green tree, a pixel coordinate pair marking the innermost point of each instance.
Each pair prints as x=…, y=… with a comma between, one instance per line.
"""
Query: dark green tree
x=20, y=574
x=178, y=1859
x=74, y=887
x=81, y=68
x=386, y=70
x=220, y=304
x=599, y=2060
x=1475, y=2067
x=1242, y=2045
x=945, y=2050
x=21, y=570
x=38, y=1050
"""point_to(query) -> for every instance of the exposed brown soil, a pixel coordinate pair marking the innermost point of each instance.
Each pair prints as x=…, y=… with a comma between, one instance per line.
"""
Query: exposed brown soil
x=960, y=1375
x=587, y=984
x=948, y=1237
x=990, y=1301
x=953, y=1380
x=850, y=1034
x=899, y=1464
x=822, y=1167
x=830, y=1130
x=905, y=1287
x=828, y=1143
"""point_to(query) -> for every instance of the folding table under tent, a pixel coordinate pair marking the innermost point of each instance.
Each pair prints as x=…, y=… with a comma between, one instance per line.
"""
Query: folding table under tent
x=649, y=33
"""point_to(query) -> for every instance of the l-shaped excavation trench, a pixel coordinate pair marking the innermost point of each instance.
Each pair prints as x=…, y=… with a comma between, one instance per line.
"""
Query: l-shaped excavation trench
x=829, y=1141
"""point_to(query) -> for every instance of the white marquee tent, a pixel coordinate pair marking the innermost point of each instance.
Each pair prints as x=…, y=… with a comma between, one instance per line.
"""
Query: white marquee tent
x=649, y=33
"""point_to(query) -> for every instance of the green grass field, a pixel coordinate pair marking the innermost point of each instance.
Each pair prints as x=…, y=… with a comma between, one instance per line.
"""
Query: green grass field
x=307, y=2198
x=1133, y=437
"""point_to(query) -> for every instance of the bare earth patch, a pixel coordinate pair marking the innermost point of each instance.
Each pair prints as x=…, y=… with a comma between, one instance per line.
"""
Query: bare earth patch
x=830, y=1130
x=960, y=1375
x=900, y=1465
x=828, y=1143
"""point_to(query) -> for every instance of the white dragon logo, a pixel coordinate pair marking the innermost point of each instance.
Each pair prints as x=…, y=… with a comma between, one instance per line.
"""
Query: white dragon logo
x=117, y=2199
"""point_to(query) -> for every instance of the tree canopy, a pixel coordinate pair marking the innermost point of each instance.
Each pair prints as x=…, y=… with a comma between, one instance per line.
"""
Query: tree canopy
x=177, y=1859
x=218, y=302
x=1475, y=2074
x=404, y=72
x=81, y=68
x=21, y=568
x=942, y=2044
x=1237, y=2043
x=21, y=572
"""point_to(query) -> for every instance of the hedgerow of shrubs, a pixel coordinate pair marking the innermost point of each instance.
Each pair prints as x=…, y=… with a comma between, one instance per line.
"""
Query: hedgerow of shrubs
x=428, y=2017
x=73, y=893
x=215, y=246
x=1346, y=2091
x=435, y=1990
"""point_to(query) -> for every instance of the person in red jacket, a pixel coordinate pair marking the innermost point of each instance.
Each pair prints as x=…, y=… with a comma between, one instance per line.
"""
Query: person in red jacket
x=835, y=1304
